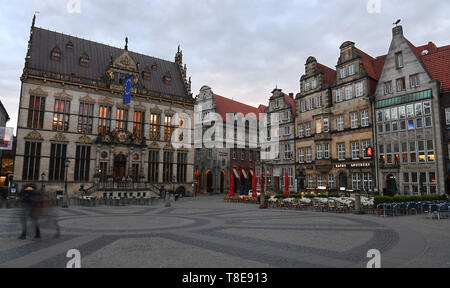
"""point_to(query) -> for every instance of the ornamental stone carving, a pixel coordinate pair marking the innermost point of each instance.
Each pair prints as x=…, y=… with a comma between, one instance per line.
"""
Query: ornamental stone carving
x=34, y=135
x=60, y=137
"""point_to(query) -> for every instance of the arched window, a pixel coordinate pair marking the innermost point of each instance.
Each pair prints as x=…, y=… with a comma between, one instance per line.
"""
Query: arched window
x=84, y=60
x=56, y=54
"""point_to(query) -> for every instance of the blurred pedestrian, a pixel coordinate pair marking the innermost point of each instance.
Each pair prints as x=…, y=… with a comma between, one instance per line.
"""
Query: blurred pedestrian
x=445, y=196
x=31, y=200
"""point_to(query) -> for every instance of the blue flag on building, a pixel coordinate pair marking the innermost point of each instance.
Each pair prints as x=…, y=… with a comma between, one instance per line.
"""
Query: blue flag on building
x=127, y=85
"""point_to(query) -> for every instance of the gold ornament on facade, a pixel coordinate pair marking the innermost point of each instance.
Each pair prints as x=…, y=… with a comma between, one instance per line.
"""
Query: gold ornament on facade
x=60, y=137
x=87, y=99
x=64, y=96
x=34, y=135
x=39, y=92
x=84, y=140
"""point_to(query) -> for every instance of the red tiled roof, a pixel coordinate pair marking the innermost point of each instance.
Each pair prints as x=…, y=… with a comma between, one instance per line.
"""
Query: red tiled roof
x=373, y=66
x=437, y=62
x=225, y=105
x=328, y=74
x=291, y=101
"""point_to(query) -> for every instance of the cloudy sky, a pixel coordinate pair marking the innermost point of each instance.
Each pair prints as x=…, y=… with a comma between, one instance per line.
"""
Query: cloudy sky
x=240, y=48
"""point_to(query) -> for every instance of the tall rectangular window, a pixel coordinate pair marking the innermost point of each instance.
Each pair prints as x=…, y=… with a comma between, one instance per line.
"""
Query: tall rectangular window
x=155, y=120
x=326, y=151
x=401, y=84
x=359, y=89
x=348, y=92
x=399, y=60
x=318, y=126
x=168, y=167
x=308, y=129
x=301, y=155
x=31, y=161
x=331, y=183
x=365, y=118
x=181, y=167
x=340, y=123
x=354, y=120
x=122, y=119
x=58, y=154
x=319, y=101
x=414, y=81
x=388, y=87
x=82, y=162
x=104, y=120
x=341, y=151
x=36, y=112
x=319, y=151
x=138, y=124
x=351, y=70
x=85, y=118
x=355, y=150
x=309, y=155
x=153, y=166
x=61, y=115
x=339, y=97
x=300, y=131
x=168, y=129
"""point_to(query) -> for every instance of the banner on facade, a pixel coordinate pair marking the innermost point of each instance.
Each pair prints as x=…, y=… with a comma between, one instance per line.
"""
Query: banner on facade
x=6, y=138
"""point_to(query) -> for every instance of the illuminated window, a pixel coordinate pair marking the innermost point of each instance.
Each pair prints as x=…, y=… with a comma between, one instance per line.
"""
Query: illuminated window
x=36, y=112
x=61, y=115
x=138, y=124
x=104, y=120
x=168, y=129
x=122, y=119
x=85, y=118
x=155, y=120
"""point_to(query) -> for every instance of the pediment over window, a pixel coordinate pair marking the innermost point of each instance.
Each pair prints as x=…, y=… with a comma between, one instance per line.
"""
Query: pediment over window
x=59, y=138
x=63, y=95
x=84, y=140
x=155, y=110
x=107, y=101
x=154, y=145
x=39, y=92
x=140, y=107
x=87, y=99
x=34, y=135
x=169, y=146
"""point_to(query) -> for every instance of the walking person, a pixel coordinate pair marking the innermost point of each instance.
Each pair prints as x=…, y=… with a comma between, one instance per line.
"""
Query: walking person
x=31, y=202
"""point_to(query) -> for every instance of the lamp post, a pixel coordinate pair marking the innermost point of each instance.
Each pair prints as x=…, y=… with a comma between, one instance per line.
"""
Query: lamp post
x=65, y=197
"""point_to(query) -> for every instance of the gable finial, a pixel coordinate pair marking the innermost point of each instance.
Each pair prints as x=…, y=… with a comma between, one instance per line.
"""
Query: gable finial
x=126, y=43
x=34, y=19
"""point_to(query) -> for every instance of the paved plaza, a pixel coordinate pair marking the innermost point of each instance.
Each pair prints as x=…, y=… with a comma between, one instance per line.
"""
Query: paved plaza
x=207, y=232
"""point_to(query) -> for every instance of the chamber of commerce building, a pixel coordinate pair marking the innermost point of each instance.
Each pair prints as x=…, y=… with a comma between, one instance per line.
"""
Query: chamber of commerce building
x=72, y=114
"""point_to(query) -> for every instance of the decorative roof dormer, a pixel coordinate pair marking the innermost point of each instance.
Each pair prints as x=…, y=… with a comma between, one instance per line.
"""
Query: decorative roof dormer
x=147, y=73
x=56, y=54
x=122, y=66
x=84, y=60
x=167, y=78
x=69, y=46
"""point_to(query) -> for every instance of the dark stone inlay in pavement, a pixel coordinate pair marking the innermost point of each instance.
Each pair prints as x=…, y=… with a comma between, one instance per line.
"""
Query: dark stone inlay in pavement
x=26, y=249
x=264, y=258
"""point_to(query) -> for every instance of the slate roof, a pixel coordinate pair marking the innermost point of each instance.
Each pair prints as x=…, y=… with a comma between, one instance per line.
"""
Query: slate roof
x=4, y=109
x=43, y=41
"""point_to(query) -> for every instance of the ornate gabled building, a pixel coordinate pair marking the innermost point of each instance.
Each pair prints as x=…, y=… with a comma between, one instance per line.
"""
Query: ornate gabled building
x=214, y=165
x=412, y=137
x=71, y=108
x=281, y=112
x=357, y=74
x=313, y=134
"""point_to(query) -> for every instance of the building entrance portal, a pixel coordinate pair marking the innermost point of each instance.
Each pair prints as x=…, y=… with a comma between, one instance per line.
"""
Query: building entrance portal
x=120, y=167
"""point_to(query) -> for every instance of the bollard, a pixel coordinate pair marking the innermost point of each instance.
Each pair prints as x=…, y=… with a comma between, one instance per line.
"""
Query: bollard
x=358, y=203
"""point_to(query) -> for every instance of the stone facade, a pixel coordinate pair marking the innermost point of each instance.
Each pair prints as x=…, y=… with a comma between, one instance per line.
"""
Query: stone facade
x=83, y=119
x=282, y=111
x=313, y=134
x=408, y=115
x=214, y=165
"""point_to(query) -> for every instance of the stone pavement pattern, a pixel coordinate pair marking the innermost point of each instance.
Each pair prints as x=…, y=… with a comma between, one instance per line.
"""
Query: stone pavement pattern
x=206, y=232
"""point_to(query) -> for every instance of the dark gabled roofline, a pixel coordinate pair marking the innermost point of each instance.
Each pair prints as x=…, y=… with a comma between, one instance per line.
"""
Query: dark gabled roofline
x=4, y=109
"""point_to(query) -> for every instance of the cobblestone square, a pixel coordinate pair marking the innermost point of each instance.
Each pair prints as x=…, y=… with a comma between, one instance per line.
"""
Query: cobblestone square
x=206, y=232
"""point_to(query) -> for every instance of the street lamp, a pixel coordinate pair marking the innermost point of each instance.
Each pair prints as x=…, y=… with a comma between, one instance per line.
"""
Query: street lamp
x=65, y=200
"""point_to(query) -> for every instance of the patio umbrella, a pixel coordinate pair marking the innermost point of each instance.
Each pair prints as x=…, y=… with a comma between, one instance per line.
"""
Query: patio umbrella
x=262, y=184
x=254, y=184
x=286, y=184
x=231, y=185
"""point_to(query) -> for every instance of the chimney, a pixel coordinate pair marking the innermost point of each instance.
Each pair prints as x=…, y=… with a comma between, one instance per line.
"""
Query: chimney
x=397, y=31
